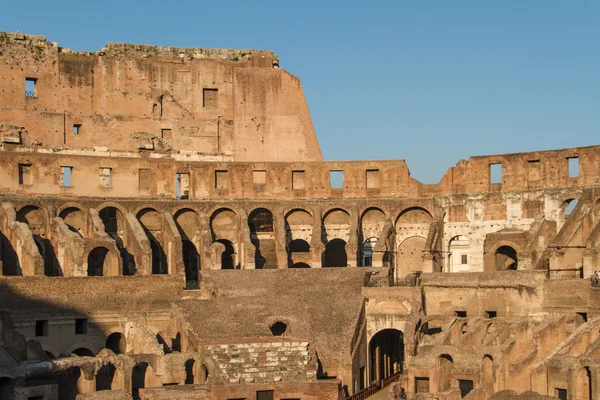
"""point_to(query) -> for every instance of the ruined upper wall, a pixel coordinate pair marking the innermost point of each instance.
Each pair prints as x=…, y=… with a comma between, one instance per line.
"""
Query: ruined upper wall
x=126, y=97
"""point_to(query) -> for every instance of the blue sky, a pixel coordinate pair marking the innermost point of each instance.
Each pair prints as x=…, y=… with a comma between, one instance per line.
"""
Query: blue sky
x=427, y=81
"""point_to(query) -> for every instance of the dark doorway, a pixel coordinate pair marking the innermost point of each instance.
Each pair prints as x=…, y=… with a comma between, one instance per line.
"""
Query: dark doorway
x=191, y=260
x=117, y=343
x=386, y=350
x=227, y=255
x=96, y=261
x=335, y=254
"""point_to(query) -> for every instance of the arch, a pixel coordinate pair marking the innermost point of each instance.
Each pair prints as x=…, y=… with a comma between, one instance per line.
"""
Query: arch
x=109, y=377
x=114, y=225
x=335, y=254
x=260, y=222
x=117, y=343
x=138, y=378
x=458, y=254
x=506, y=258
x=188, y=223
x=35, y=218
x=151, y=221
x=190, y=378
x=228, y=254
x=336, y=225
x=298, y=252
x=413, y=216
x=278, y=328
x=487, y=372
x=445, y=367
x=49, y=355
x=224, y=224
x=372, y=222
x=568, y=206
x=191, y=261
x=83, y=352
x=299, y=265
x=75, y=219
x=98, y=261
x=386, y=353
x=410, y=255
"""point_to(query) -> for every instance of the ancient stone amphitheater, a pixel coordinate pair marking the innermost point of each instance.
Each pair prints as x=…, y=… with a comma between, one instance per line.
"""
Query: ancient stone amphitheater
x=169, y=230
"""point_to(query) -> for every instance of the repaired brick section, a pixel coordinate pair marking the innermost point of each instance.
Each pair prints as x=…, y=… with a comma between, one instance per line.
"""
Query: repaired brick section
x=263, y=361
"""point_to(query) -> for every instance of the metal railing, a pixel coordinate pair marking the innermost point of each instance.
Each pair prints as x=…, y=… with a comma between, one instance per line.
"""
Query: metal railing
x=376, y=387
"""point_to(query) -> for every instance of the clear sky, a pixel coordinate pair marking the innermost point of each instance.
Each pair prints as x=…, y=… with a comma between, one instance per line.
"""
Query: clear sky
x=427, y=81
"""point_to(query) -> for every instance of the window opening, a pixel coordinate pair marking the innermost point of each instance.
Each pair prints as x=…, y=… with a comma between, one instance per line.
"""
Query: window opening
x=30, y=87
x=496, y=173
x=41, y=328
x=573, y=167
x=25, y=176
x=336, y=179
x=76, y=129
x=65, y=176
x=81, y=326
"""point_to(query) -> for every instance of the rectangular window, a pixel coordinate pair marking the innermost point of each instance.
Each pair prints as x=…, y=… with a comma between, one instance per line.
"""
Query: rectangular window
x=264, y=395
x=210, y=98
x=30, y=87
x=165, y=133
x=496, y=173
x=144, y=179
x=533, y=170
x=463, y=259
x=465, y=386
x=336, y=179
x=573, y=167
x=76, y=129
x=560, y=393
x=298, y=180
x=259, y=177
x=372, y=179
x=182, y=186
x=460, y=314
x=25, y=175
x=41, y=328
x=65, y=176
x=81, y=326
x=491, y=314
x=104, y=175
x=421, y=385
x=221, y=179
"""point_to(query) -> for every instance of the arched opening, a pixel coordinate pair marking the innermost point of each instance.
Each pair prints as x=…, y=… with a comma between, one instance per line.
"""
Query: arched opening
x=506, y=258
x=445, y=366
x=138, y=378
x=160, y=338
x=410, y=255
x=386, y=353
x=300, y=265
x=367, y=251
x=458, y=254
x=278, y=328
x=104, y=378
x=568, y=206
x=335, y=254
x=227, y=255
x=298, y=252
x=83, y=352
x=49, y=355
x=6, y=388
x=36, y=221
x=487, y=372
x=117, y=343
x=98, y=261
x=75, y=219
x=336, y=225
x=151, y=221
x=189, y=372
x=188, y=224
x=191, y=261
x=114, y=226
x=9, y=258
x=260, y=222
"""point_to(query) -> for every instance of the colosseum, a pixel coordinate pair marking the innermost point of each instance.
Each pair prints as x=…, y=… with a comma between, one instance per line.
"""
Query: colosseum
x=170, y=230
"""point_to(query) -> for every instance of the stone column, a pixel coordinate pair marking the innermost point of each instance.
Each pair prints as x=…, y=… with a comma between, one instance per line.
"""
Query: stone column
x=205, y=242
x=280, y=238
x=243, y=244
x=352, y=245
x=316, y=241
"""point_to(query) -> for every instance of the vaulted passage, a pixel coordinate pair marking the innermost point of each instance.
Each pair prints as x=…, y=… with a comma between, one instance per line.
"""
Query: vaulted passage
x=506, y=258
x=35, y=219
x=117, y=343
x=8, y=258
x=98, y=261
x=75, y=219
x=191, y=261
x=152, y=223
x=298, y=253
x=188, y=224
x=224, y=225
x=386, y=352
